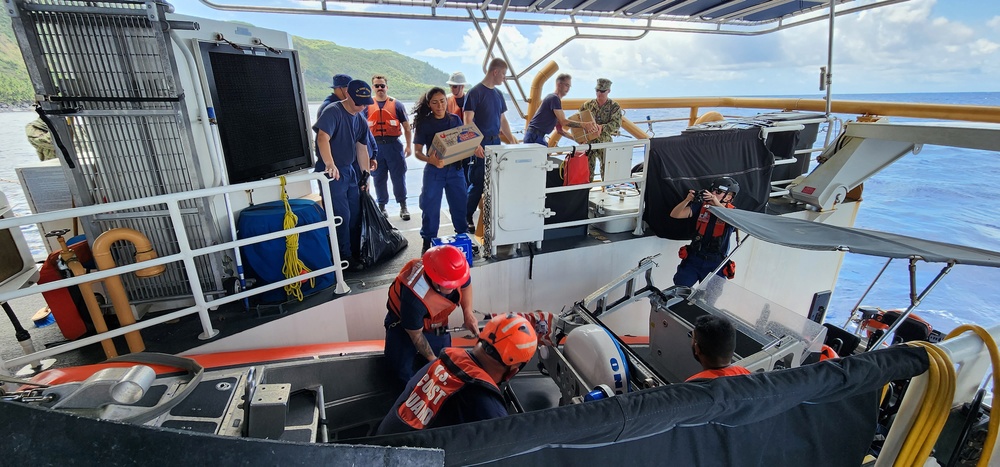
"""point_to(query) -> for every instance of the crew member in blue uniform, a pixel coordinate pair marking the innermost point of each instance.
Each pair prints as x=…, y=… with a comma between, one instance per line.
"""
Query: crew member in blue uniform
x=711, y=242
x=431, y=116
x=341, y=140
x=485, y=106
x=421, y=298
x=462, y=385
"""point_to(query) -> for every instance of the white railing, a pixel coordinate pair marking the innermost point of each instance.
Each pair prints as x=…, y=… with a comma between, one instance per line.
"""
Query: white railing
x=186, y=255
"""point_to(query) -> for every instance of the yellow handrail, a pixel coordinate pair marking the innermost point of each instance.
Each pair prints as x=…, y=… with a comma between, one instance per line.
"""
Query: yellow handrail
x=969, y=113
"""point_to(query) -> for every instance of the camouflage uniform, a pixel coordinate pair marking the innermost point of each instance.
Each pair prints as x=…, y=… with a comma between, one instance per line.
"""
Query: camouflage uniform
x=39, y=137
x=610, y=116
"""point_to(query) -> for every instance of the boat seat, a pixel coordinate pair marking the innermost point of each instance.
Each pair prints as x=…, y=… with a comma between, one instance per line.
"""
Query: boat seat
x=535, y=392
x=846, y=342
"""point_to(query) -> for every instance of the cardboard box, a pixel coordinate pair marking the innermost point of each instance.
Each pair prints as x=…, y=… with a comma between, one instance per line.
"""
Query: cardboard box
x=457, y=143
x=579, y=134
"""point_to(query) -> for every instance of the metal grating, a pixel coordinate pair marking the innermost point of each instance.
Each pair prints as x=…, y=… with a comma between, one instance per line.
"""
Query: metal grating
x=108, y=67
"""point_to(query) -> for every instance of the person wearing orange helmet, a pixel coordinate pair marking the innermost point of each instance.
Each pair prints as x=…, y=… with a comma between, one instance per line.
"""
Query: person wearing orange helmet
x=421, y=298
x=462, y=385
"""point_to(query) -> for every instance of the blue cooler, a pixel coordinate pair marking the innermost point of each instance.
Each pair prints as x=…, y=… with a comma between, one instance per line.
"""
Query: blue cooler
x=460, y=241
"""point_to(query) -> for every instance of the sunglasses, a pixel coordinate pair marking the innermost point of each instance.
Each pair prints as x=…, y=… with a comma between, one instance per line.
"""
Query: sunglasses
x=379, y=86
x=453, y=86
x=602, y=91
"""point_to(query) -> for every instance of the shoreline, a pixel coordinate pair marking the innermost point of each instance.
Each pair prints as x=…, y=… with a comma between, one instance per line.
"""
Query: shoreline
x=17, y=107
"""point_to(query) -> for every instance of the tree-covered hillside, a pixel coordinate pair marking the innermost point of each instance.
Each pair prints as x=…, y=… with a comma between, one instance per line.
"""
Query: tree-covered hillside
x=408, y=77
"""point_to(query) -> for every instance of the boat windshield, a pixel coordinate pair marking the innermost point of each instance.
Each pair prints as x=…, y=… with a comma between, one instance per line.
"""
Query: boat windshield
x=757, y=316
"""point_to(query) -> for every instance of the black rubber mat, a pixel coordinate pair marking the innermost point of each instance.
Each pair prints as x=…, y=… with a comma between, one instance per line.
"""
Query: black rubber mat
x=300, y=409
x=300, y=436
x=152, y=396
x=191, y=425
x=206, y=401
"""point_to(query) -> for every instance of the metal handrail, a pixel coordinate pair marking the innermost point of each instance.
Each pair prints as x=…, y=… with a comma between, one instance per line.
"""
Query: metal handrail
x=186, y=254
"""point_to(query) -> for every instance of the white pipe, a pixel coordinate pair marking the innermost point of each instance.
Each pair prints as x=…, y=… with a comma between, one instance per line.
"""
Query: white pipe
x=199, y=93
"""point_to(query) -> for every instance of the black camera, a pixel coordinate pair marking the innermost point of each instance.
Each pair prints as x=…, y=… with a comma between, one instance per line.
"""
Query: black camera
x=701, y=194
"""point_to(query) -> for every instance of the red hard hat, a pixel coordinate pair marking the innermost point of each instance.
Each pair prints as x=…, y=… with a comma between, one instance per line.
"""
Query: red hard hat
x=446, y=266
x=512, y=337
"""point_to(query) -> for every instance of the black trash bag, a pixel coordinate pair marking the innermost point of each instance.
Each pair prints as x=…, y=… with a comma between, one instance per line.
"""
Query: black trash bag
x=379, y=239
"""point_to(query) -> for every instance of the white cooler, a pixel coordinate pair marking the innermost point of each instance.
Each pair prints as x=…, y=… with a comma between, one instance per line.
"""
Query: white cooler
x=613, y=202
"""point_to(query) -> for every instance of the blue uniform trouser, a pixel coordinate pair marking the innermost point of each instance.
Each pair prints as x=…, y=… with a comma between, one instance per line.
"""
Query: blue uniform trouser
x=402, y=355
x=451, y=181
x=391, y=164
x=346, y=201
x=476, y=176
x=534, y=137
x=696, y=267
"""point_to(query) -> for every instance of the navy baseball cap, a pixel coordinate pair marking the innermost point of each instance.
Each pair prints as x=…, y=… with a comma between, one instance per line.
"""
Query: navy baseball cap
x=360, y=92
x=341, y=81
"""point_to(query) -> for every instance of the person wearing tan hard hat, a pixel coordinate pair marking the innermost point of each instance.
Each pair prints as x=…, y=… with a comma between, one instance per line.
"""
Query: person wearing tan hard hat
x=456, y=100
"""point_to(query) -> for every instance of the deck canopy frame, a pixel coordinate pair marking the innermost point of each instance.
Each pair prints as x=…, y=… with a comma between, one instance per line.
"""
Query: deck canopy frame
x=807, y=235
x=623, y=20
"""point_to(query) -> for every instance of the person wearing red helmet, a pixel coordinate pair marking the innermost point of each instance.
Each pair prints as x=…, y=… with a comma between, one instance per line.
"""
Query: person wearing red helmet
x=421, y=298
x=462, y=385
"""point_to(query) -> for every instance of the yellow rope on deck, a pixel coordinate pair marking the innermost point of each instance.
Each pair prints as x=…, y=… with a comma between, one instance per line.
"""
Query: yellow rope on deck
x=293, y=266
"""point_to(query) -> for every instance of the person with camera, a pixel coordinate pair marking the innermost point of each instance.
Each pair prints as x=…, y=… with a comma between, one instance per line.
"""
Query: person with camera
x=710, y=244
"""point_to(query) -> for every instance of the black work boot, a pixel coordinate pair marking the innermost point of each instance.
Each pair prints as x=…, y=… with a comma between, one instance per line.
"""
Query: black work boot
x=381, y=207
x=427, y=245
x=403, y=213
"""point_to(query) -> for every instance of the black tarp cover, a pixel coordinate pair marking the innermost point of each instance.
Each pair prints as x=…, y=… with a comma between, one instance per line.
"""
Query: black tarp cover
x=808, y=235
x=821, y=414
x=691, y=161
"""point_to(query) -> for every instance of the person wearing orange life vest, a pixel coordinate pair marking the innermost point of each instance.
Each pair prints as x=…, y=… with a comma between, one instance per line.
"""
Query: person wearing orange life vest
x=713, y=342
x=387, y=121
x=462, y=385
x=711, y=242
x=421, y=298
x=456, y=100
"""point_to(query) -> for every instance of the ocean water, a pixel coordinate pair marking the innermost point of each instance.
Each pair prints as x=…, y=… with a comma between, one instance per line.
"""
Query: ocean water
x=944, y=194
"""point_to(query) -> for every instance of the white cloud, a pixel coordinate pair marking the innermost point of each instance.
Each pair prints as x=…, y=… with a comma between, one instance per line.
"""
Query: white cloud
x=908, y=47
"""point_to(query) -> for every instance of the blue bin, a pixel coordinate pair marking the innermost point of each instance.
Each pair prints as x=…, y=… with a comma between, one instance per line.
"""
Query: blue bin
x=460, y=241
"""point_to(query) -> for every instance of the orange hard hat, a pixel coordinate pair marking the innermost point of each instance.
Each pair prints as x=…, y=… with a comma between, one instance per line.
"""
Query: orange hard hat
x=510, y=339
x=446, y=266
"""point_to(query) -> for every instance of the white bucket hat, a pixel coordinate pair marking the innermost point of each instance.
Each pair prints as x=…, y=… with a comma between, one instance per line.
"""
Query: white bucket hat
x=457, y=79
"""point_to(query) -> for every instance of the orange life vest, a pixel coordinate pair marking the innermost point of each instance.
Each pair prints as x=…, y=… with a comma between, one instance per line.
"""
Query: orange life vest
x=703, y=219
x=731, y=370
x=445, y=377
x=437, y=305
x=453, y=107
x=383, y=122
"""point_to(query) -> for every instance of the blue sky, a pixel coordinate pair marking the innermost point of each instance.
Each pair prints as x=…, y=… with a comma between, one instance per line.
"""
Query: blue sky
x=916, y=46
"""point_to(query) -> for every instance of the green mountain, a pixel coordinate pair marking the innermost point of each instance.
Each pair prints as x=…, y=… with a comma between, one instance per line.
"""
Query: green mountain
x=408, y=78
x=15, y=87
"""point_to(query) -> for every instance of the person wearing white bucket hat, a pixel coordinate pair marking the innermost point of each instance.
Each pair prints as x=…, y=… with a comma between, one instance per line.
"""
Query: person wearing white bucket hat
x=456, y=100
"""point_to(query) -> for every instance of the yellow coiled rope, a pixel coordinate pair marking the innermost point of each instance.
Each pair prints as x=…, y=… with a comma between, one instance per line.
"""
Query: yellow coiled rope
x=994, y=425
x=293, y=265
x=934, y=408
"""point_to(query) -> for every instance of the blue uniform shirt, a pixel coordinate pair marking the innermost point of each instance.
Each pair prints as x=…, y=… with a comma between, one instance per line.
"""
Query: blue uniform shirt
x=430, y=126
x=344, y=130
x=544, y=120
x=488, y=104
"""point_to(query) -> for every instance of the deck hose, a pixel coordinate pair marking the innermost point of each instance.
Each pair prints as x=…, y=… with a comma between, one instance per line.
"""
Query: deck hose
x=936, y=404
x=993, y=427
x=293, y=266
x=933, y=410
